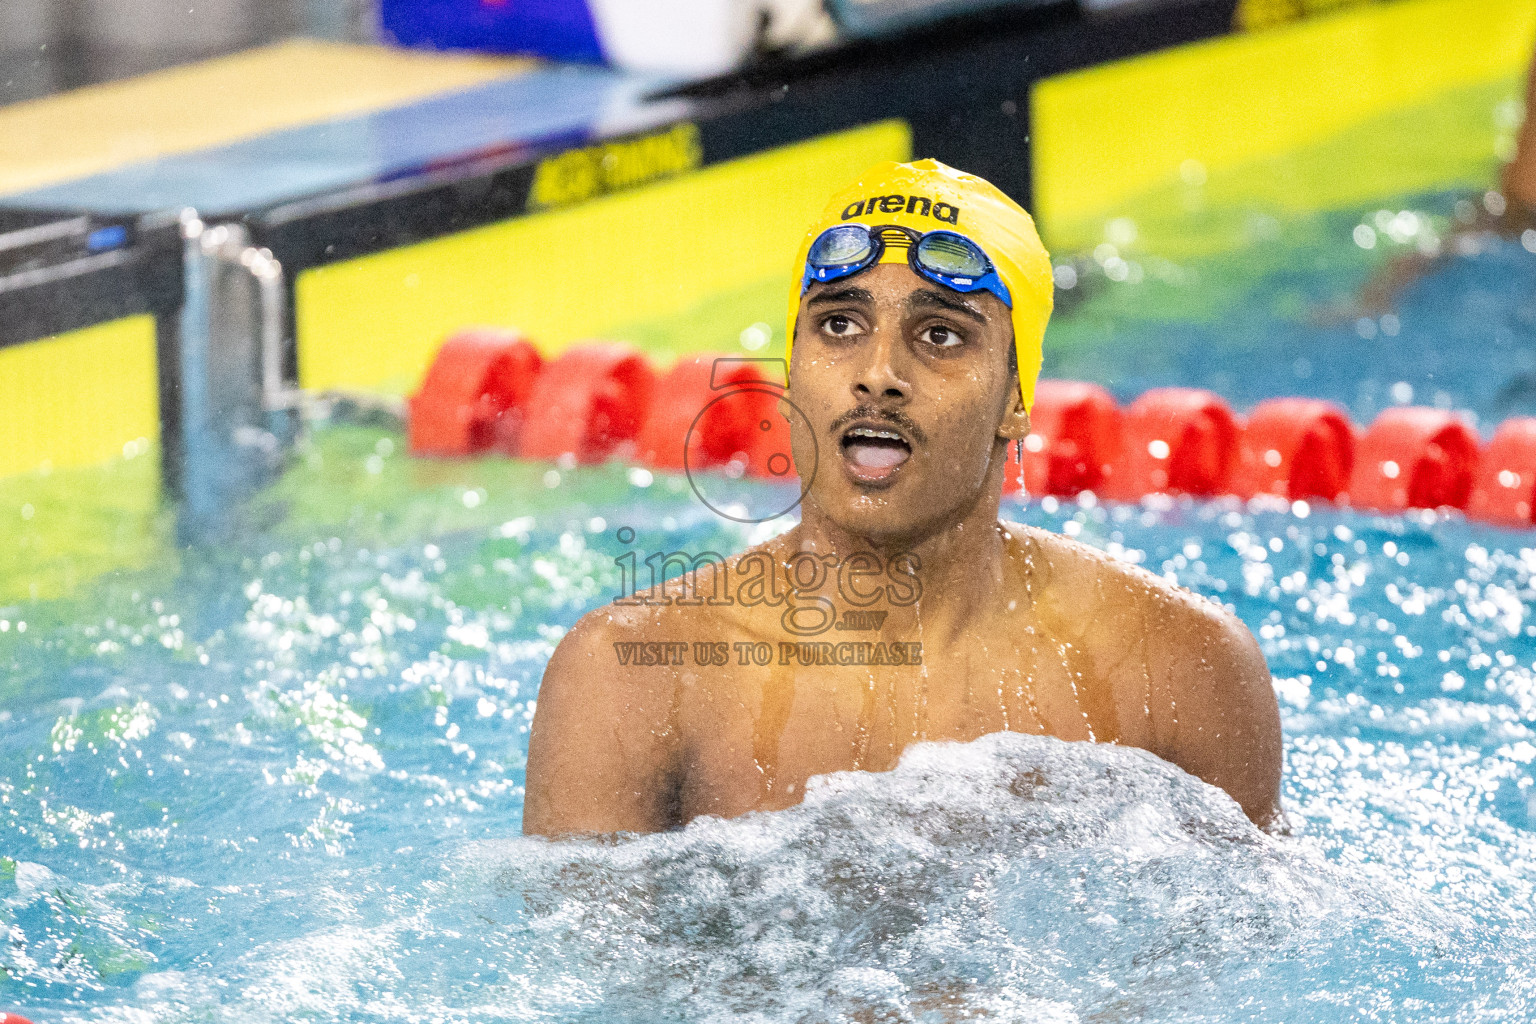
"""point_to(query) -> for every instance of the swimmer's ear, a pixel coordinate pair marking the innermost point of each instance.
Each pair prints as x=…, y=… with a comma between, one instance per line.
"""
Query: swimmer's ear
x=1015, y=425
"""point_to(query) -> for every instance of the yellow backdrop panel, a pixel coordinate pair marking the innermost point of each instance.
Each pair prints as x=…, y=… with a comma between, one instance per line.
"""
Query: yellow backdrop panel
x=572, y=274
x=1107, y=134
x=76, y=399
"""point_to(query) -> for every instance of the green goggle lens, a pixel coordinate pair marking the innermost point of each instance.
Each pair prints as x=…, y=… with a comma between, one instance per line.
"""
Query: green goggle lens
x=952, y=255
x=841, y=246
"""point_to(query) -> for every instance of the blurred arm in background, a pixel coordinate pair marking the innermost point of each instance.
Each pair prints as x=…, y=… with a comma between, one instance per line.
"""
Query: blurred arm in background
x=1519, y=181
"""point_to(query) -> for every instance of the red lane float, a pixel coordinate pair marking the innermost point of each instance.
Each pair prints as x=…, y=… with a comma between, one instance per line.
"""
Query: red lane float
x=715, y=408
x=1178, y=441
x=13, y=1018
x=588, y=404
x=489, y=388
x=681, y=394
x=1414, y=457
x=474, y=393
x=1297, y=448
x=1073, y=441
x=1504, y=488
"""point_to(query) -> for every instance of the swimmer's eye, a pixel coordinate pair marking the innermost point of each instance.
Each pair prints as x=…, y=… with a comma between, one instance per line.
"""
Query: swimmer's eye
x=840, y=326
x=940, y=336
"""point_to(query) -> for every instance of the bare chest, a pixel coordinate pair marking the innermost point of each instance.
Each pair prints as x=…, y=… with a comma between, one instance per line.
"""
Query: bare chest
x=753, y=733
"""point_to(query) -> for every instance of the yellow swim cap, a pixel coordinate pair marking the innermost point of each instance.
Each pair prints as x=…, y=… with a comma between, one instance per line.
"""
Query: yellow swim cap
x=927, y=196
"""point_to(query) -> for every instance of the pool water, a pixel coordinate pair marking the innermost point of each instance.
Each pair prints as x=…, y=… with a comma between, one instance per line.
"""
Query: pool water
x=1284, y=315
x=281, y=778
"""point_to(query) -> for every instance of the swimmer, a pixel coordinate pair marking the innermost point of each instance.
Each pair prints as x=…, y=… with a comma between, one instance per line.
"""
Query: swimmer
x=1481, y=221
x=915, y=323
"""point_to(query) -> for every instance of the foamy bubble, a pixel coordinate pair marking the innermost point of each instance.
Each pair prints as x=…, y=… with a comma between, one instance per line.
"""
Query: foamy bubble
x=1022, y=877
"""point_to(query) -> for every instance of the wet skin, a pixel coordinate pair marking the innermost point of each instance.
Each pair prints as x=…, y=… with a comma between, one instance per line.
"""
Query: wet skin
x=908, y=389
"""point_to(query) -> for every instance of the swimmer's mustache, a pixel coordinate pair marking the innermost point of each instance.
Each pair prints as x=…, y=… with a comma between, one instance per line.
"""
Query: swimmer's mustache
x=870, y=413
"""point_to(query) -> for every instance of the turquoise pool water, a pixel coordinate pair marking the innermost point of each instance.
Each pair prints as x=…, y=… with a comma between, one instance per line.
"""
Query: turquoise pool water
x=281, y=778
x=1300, y=309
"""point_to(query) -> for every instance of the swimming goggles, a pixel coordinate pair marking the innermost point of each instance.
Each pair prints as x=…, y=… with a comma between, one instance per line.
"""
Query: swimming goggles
x=943, y=257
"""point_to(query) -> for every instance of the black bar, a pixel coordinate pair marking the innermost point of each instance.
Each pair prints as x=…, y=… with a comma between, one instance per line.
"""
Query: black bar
x=144, y=277
x=168, y=364
x=376, y=217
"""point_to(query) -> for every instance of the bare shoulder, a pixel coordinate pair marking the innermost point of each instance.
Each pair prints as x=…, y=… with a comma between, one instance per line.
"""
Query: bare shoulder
x=689, y=600
x=1087, y=580
x=610, y=651
x=1210, y=701
x=606, y=744
x=606, y=660
x=602, y=748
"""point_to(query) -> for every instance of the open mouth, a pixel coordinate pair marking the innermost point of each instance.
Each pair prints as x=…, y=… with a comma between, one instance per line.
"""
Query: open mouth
x=874, y=454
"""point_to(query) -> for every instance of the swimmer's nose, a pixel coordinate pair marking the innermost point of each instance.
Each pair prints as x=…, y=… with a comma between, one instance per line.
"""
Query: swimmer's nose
x=878, y=379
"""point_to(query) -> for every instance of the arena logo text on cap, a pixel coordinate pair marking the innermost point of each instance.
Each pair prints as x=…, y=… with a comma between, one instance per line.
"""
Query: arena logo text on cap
x=920, y=205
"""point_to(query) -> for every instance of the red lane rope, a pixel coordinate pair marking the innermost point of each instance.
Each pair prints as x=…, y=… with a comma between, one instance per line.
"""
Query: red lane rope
x=489, y=388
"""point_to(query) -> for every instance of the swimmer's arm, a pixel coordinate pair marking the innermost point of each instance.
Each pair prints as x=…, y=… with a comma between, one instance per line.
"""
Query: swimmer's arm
x=600, y=755
x=1223, y=722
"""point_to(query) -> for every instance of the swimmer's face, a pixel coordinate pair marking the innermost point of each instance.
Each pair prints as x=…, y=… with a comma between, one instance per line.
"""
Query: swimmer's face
x=907, y=388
